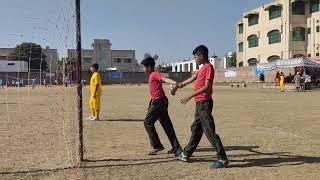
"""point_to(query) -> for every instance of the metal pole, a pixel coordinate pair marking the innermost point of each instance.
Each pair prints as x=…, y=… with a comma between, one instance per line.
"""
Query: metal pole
x=41, y=66
x=50, y=65
x=29, y=70
x=79, y=78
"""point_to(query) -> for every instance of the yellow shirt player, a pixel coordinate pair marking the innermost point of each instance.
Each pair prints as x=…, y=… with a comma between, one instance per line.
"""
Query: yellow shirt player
x=281, y=82
x=95, y=92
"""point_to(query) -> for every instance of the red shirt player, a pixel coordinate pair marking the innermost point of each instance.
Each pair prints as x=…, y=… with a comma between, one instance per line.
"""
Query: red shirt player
x=204, y=121
x=158, y=109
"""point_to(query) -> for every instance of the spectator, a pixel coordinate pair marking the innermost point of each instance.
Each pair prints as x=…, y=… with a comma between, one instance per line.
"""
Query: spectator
x=307, y=82
x=297, y=80
x=277, y=78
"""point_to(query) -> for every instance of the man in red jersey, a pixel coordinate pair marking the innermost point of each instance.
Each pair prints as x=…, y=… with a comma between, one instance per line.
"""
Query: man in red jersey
x=204, y=121
x=158, y=109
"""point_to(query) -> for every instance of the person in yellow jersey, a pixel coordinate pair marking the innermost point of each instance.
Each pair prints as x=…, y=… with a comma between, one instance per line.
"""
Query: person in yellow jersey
x=95, y=93
x=282, y=82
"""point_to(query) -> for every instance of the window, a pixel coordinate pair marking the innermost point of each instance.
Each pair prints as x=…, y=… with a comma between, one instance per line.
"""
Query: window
x=191, y=67
x=298, y=56
x=309, y=55
x=240, y=47
x=10, y=64
x=317, y=54
x=87, y=60
x=253, y=19
x=127, y=60
x=253, y=41
x=117, y=60
x=274, y=36
x=186, y=67
x=272, y=58
x=3, y=57
x=318, y=28
x=252, y=62
x=314, y=6
x=241, y=64
x=180, y=67
x=298, y=34
x=240, y=26
x=309, y=30
x=298, y=8
x=275, y=12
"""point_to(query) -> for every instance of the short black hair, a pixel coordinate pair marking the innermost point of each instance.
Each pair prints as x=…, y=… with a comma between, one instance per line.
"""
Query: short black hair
x=148, y=61
x=95, y=66
x=201, y=50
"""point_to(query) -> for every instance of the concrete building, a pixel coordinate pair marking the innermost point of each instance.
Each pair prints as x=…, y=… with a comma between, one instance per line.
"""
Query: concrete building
x=123, y=60
x=4, y=53
x=52, y=57
x=13, y=66
x=282, y=29
x=192, y=66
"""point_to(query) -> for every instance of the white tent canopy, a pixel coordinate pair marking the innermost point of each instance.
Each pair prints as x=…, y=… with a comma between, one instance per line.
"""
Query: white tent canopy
x=288, y=63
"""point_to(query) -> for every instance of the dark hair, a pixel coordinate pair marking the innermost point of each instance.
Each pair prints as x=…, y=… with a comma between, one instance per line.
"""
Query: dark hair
x=201, y=50
x=95, y=66
x=148, y=61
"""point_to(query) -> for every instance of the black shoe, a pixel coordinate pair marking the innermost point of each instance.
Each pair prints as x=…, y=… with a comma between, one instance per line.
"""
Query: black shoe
x=156, y=151
x=171, y=151
x=175, y=152
x=217, y=164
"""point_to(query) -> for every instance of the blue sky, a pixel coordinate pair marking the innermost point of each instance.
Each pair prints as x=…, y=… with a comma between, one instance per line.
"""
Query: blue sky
x=170, y=28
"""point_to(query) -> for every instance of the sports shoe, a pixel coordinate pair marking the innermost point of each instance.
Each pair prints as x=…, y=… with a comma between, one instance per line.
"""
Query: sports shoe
x=219, y=164
x=182, y=157
x=156, y=151
x=171, y=151
x=90, y=117
x=174, y=151
x=95, y=119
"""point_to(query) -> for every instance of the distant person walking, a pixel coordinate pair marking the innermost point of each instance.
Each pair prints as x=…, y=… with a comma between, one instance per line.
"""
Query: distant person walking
x=307, y=82
x=297, y=81
x=281, y=82
x=33, y=83
x=1, y=85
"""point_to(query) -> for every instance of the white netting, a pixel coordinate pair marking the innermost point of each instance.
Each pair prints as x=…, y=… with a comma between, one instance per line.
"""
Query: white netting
x=38, y=122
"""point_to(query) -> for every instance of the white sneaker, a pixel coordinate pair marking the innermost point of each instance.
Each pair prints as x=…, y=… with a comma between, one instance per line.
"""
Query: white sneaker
x=95, y=119
x=90, y=117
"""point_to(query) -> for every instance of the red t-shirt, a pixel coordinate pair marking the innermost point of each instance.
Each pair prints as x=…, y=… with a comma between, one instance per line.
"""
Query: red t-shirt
x=155, y=85
x=205, y=73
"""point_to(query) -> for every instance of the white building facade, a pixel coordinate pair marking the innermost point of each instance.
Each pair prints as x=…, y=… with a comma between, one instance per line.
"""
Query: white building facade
x=192, y=66
x=13, y=66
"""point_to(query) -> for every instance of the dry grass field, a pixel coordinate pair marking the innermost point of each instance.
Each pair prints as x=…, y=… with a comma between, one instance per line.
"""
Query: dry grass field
x=267, y=135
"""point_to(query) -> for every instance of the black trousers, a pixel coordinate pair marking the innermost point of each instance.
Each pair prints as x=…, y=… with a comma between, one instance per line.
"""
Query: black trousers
x=158, y=109
x=204, y=122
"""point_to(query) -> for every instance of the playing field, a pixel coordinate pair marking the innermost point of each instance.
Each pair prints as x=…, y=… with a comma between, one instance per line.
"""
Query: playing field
x=267, y=135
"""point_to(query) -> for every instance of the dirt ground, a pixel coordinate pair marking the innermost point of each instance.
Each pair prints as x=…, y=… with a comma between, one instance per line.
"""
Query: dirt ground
x=267, y=135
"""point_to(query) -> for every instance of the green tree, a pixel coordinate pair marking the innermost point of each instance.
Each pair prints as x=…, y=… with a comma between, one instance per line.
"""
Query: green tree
x=30, y=52
x=165, y=69
x=232, y=61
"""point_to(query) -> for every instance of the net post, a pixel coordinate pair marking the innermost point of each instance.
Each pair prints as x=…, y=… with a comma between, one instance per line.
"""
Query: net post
x=79, y=79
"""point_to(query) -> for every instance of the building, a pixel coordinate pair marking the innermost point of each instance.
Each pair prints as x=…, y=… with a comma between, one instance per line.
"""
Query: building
x=13, y=66
x=192, y=66
x=123, y=60
x=282, y=29
x=52, y=57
